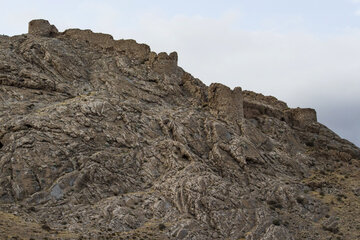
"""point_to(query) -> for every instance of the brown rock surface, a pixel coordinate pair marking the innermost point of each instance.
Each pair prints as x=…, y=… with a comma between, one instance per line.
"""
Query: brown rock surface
x=224, y=102
x=104, y=139
x=40, y=27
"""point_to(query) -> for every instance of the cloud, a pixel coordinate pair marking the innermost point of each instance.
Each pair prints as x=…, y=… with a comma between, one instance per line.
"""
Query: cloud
x=357, y=12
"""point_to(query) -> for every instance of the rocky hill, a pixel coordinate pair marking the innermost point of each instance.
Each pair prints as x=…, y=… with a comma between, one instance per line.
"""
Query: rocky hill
x=105, y=139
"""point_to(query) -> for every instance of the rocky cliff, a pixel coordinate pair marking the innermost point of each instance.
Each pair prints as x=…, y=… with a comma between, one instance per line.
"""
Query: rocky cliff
x=105, y=139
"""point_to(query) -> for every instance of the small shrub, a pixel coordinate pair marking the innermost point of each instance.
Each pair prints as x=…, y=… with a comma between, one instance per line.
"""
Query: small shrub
x=276, y=222
x=274, y=204
x=31, y=209
x=46, y=227
x=334, y=230
x=162, y=226
x=300, y=200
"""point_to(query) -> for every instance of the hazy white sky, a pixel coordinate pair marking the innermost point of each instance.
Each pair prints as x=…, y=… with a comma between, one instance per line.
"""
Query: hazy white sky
x=304, y=52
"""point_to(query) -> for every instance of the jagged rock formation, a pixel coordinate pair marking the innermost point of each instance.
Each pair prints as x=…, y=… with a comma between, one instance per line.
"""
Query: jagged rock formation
x=104, y=139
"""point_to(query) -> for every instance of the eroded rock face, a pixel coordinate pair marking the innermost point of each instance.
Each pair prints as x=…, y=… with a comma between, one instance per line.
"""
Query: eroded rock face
x=301, y=117
x=137, y=52
x=40, y=27
x=163, y=63
x=224, y=102
x=102, y=138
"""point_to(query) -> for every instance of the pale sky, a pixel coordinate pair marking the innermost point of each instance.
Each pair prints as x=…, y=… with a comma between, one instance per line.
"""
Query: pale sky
x=304, y=52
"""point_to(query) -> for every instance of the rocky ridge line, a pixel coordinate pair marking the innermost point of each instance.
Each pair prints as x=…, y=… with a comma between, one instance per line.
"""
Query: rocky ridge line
x=102, y=138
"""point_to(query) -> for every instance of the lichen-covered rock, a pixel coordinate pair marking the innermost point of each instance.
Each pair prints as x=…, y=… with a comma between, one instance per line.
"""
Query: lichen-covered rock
x=104, y=139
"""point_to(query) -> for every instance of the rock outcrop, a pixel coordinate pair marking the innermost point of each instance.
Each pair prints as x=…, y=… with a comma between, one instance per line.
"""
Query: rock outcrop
x=301, y=117
x=42, y=28
x=224, y=102
x=105, y=139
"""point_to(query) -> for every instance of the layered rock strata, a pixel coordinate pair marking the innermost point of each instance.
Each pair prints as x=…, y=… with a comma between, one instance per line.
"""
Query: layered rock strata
x=105, y=139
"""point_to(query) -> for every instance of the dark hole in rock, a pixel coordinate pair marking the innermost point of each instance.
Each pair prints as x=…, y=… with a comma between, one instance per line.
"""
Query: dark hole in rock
x=186, y=157
x=1, y=145
x=309, y=144
x=282, y=119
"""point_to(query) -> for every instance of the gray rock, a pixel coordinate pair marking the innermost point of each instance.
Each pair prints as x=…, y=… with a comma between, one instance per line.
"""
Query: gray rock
x=107, y=139
x=56, y=192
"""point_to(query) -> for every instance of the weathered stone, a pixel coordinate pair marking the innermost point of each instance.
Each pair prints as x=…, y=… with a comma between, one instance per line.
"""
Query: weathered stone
x=301, y=117
x=164, y=63
x=43, y=28
x=195, y=88
x=104, y=139
x=224, y=102
x=136, y=51
x=56, y=192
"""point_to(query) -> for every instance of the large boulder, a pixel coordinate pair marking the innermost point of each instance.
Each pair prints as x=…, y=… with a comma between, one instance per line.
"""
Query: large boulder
x=41, y=27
